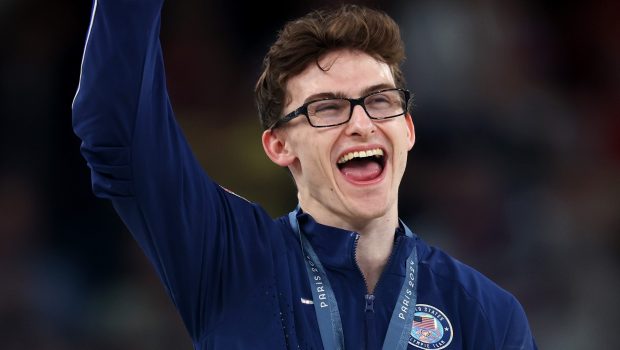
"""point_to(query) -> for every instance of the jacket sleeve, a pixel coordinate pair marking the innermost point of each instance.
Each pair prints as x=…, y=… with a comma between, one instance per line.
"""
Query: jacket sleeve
x=196, y=234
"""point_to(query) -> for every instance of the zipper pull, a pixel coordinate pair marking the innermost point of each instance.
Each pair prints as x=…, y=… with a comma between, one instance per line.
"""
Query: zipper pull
x=370, y=303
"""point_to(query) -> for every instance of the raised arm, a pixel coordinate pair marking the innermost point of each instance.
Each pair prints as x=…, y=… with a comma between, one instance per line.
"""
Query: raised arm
x=121, y=81
x=185, y=223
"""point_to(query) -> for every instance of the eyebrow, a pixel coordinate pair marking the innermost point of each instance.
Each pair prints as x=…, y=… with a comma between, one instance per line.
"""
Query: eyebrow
x=339, y=94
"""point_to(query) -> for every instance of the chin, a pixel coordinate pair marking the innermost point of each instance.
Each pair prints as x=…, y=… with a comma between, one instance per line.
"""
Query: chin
x=369, y=208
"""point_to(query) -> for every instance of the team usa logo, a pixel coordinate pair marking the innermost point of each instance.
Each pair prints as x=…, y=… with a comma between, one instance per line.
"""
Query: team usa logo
x=431, y=328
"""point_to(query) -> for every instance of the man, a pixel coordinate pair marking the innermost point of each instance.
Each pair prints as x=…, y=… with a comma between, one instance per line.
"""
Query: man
x=340, y=271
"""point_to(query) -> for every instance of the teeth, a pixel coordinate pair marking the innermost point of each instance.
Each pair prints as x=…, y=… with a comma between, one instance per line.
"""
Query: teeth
x=377, y=152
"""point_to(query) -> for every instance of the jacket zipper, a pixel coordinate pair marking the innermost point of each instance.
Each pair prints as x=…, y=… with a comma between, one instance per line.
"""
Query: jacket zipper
x=369, y=310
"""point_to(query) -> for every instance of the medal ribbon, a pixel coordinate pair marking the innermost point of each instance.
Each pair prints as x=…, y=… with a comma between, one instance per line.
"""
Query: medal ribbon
x=326, y=307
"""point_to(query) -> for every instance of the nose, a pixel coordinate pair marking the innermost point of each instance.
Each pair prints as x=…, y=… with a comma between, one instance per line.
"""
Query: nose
x=360, y=123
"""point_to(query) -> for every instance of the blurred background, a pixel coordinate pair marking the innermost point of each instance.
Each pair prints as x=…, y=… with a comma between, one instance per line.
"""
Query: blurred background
x=515, y=168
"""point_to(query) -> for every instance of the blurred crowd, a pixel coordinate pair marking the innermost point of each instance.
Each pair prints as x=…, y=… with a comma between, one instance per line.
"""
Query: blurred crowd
x=515, y=168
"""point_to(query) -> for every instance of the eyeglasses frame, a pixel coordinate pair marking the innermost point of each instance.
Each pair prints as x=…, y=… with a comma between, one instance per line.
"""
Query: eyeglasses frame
x=303, y=109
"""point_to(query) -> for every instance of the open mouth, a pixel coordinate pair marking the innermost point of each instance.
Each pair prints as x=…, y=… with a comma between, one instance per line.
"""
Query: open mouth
x=362, y=166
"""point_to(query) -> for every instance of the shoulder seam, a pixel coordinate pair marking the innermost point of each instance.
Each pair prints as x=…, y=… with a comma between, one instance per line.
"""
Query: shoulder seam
x=512, y=312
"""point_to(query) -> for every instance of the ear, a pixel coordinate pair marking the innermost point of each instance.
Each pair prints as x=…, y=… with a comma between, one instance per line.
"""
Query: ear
x=276, y=148
x=410, y=130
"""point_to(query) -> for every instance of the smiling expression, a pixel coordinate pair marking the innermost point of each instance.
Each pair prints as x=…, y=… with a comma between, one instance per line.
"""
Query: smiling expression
x=346, y=175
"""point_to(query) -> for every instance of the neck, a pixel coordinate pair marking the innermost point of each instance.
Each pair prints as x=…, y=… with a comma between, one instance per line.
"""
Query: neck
x=372, y=253
x=374, y=245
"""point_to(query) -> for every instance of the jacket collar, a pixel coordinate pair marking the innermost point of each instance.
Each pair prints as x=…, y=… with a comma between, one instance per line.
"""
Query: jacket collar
x=335, y=247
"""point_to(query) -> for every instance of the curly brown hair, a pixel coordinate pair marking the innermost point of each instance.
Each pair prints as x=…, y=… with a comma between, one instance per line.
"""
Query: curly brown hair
x=308, y=38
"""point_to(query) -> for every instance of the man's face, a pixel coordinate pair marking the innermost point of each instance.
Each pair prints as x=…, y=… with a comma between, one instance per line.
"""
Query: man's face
x=334, y=189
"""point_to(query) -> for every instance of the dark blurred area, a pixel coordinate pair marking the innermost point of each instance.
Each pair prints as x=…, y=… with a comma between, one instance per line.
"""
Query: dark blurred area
x=515, y=168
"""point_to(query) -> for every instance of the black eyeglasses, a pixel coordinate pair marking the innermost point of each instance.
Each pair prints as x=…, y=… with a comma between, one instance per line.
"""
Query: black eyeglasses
x=379, y=105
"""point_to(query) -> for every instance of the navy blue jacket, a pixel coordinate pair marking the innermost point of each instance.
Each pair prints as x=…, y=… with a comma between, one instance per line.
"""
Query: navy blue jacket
x=237, y=276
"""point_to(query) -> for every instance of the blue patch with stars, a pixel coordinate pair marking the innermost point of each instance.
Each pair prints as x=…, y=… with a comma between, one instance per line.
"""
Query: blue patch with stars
x=431, y=328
